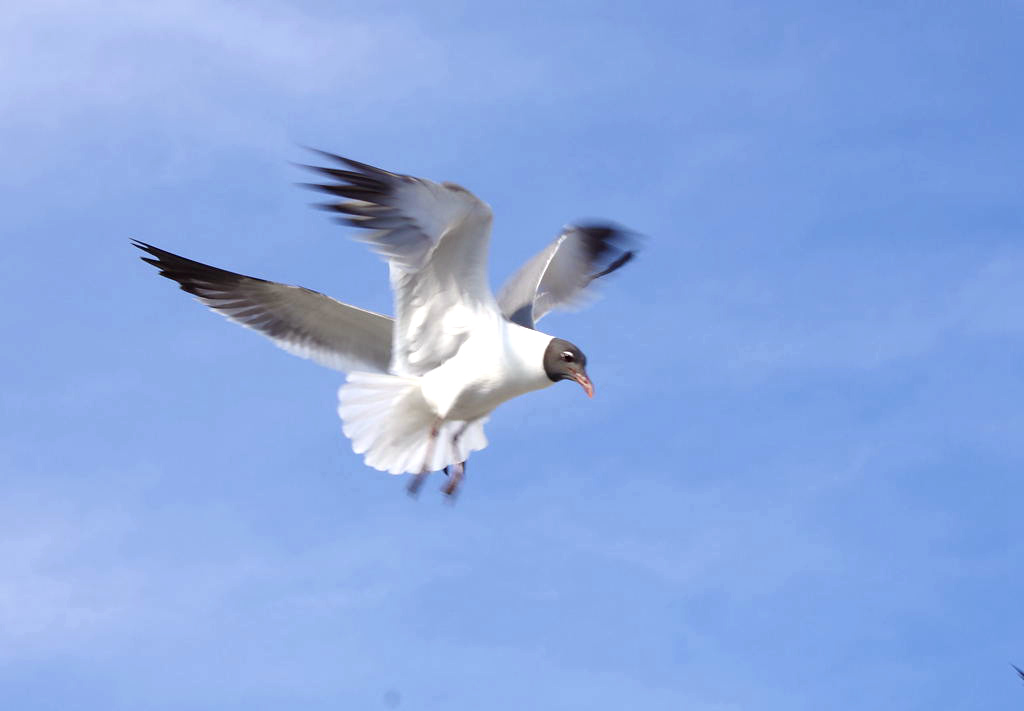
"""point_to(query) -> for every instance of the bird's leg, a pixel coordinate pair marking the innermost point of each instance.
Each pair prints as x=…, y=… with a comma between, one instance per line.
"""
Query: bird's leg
x=418, y=479
x=458, y=471
x=416, y=482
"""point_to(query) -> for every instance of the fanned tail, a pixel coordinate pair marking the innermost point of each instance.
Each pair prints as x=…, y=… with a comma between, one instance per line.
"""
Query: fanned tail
x=390, y=423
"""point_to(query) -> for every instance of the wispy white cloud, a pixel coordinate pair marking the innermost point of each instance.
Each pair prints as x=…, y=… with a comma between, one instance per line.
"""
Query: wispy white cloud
x=188, y=75
x=843, y=312
x=122, y=53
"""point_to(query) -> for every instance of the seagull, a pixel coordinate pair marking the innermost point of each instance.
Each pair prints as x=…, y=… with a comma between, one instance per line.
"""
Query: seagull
x=421, y=385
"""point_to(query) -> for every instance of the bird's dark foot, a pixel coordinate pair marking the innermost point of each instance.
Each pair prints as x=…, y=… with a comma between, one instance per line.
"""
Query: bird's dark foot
x=416, y=483
x=458, y=471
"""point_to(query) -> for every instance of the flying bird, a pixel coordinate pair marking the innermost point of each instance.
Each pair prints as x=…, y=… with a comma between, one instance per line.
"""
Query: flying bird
x=421, y=385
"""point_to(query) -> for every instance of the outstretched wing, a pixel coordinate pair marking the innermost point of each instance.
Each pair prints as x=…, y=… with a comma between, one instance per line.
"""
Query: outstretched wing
x=559, y=273
x=303, y=322
x=435, y=237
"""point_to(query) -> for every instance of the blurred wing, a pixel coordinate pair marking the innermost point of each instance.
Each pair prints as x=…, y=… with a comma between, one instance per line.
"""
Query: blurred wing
x=558, y=275
x=435, y=237
x=408, y=216
x=303, y=322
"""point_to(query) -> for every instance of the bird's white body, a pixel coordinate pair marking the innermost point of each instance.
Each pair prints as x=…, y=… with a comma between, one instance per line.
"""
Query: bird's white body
x=499, y=361
x=406, y=423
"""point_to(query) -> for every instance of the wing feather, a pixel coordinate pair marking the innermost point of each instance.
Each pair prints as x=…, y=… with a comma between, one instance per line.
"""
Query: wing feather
x=558, y=275
x=303, y=322
x=410, y=215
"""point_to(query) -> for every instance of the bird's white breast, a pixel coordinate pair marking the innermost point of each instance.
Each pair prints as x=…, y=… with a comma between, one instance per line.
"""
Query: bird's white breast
x=498, y=362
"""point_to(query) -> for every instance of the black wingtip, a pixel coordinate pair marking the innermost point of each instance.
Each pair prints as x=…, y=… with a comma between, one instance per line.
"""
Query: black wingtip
x=158, y=257
x=622, y=261
x=364, y=168
x=1020, y=672
x=323, y=154
x=608, y=230
x=193, y=277
x=145, y=247
x=611, y=246
x=323, y=188
x=365, y=190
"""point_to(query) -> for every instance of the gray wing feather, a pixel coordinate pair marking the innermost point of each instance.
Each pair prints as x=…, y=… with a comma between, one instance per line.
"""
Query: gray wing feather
x=303, y=322
x=557, y=275
x=407, y=216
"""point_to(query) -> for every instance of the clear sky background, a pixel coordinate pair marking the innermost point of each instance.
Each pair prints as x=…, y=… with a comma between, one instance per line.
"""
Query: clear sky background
x=800, y=484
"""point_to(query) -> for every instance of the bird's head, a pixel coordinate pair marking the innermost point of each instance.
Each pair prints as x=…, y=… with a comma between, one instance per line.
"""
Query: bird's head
x=565, y=361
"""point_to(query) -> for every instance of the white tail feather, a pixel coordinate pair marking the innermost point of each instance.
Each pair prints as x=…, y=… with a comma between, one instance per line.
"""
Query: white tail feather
x=390, y=423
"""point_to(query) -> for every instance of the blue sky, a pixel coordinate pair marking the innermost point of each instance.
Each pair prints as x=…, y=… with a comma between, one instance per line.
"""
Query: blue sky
x=799, y=485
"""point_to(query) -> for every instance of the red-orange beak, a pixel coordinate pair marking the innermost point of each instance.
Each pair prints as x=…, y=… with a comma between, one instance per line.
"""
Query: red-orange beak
x=580, y=377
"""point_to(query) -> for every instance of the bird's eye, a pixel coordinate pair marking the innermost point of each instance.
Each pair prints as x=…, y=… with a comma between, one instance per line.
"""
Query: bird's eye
x=568, y=357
